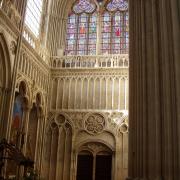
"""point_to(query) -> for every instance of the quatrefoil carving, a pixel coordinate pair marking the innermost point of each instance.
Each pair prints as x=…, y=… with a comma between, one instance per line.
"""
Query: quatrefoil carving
x=95, y=123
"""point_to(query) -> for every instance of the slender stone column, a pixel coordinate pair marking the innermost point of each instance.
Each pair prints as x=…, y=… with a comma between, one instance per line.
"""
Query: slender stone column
x=154, y=114
x=26, y=126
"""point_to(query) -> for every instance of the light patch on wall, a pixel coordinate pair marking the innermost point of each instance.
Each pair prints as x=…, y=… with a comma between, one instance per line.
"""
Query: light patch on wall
x=33, y=15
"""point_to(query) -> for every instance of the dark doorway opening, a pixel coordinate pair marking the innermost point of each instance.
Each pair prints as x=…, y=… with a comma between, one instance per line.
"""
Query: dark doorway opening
x=85, y=167
x=94, y=167
x=103, y=167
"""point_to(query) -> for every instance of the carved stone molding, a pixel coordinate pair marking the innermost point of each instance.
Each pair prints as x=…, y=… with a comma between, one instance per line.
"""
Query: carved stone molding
x=13, y=47
x=95, y=147
x=123, y=128
x=58, y=121
x=95, y=124
x=10, y=10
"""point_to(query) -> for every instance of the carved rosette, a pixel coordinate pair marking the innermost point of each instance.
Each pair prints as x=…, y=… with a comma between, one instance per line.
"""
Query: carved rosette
x=95, y=124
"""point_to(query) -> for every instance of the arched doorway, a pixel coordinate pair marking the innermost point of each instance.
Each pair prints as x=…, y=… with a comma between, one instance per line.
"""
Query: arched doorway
x=94, y=162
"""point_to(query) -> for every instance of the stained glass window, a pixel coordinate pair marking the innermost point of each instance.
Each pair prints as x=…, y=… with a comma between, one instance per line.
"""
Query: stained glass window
x=84, y=6
x=115, y=34
x=82, y=28
x=117, y=5
x=106, y=33
x=71, y=34
x=92, y=35
x=82, y=37
x=81, y=34
x=33, y=15
x=120, y=33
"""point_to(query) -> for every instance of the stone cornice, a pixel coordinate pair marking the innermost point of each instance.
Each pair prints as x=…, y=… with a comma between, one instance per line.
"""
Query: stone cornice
x=90, y=72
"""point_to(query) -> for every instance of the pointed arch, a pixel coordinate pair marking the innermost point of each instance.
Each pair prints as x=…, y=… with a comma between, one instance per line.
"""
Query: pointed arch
x=4, y=62
x=5, y=82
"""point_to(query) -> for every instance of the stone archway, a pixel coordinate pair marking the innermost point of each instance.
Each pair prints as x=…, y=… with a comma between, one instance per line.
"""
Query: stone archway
x=5, y=75
x=94, y=162
x=34, y=130
x=58, y=149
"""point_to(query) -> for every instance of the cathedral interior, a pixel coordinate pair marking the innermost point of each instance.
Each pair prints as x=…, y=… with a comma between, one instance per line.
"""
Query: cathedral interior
x=90, y=89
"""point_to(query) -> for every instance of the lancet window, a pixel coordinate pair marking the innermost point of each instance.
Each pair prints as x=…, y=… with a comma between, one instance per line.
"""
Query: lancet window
x=115, y=33
x=81, y=29
x=33, y=15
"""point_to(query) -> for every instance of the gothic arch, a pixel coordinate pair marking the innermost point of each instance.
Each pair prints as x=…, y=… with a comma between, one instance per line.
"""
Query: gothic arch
x=53, y=118
x=21, y=82
x=80, y=146
x=5, y=80
x=21, y=103
x=58, y=147
x=35, y=127
x=5, y=62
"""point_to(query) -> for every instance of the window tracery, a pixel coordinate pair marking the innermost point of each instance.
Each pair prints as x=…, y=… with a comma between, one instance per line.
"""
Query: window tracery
x=117, y=5
x=115, y=34
x=81, y=29
x=83, y=26
x=84, y=6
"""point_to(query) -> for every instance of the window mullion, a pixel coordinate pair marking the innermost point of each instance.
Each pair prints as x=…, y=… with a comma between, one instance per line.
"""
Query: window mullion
x=111, y=33
x=77, y=34
x=122, y=36
x=87, y=38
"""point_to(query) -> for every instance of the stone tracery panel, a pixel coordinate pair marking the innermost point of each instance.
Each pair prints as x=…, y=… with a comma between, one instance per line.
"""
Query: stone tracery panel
x=58, y=149
x=34, y=69
x=95, y=147
x=98, y=91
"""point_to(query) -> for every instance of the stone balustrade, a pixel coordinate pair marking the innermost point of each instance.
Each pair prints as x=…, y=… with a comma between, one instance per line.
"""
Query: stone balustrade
x=34, y=42
x=98, y=61
x=30, y=37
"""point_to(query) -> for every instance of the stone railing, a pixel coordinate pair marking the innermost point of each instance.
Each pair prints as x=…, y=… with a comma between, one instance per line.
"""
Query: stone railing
x=99, y=61
x=30, y=37
x=8, y=7
x=34, y=42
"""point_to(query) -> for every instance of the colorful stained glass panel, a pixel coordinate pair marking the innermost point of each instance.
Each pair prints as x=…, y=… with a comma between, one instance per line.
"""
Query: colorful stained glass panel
x=84, y=6
x=117, y=5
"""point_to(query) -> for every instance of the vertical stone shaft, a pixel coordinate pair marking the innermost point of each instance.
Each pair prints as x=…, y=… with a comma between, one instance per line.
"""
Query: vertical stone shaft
x=154, y=133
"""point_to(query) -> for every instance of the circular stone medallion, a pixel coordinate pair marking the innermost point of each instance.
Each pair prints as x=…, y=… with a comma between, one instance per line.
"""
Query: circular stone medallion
x=95, y=123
